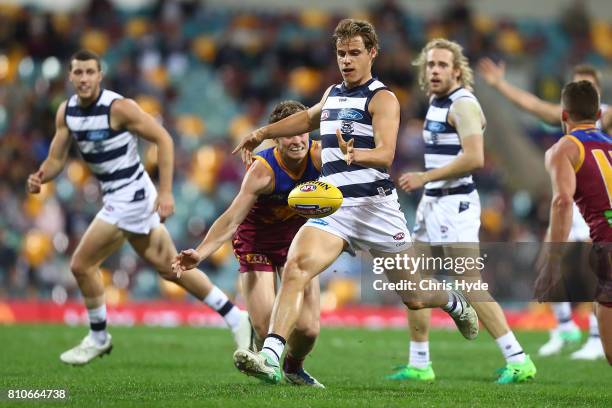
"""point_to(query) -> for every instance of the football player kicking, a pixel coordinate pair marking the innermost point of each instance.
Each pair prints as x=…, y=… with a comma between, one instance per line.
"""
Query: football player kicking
x=262, y=226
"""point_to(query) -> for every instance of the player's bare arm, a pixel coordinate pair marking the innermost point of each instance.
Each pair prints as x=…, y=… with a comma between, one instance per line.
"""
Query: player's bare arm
x=466, y=116
x=125, y=113
x=560, y=161
x=494, y=73
x=385, y=110
x=58, y=154
x=298, y=123
x=258, y=180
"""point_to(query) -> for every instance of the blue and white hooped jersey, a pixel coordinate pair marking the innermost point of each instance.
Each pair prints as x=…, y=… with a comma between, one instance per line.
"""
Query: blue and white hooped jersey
x=347, y=109
x=111, y=155
x=442, y=142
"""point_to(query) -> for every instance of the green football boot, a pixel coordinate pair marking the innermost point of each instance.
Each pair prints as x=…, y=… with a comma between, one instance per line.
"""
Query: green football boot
x=410, y=373
x=259, y=365
x=517, y=372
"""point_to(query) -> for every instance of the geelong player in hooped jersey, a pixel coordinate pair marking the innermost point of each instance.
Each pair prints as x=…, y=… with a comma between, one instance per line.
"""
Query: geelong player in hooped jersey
x=449, y=211
x=580, y=167
x=262, y=226
x=359, y=120
x=567, y=332
x=105, y=127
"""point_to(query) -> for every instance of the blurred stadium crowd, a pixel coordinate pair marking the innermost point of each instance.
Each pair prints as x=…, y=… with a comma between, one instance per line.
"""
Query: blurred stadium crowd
x=211, y=75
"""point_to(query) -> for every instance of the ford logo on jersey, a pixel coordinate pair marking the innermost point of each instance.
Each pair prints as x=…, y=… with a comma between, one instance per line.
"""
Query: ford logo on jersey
x=96, y=135
x=435, y=126
x=349, y=114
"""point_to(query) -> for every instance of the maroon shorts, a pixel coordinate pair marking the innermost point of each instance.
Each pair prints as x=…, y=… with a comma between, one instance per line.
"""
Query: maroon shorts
x=601, y=262
x=254, y=259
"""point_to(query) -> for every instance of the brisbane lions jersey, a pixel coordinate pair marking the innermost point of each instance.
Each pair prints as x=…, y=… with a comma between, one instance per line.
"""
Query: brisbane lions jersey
x=594, y=180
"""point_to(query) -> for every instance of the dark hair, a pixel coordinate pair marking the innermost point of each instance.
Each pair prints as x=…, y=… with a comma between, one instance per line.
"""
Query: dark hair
x=85, y=55
x=585, y=69
x=580, y=100
x=284, y=109
x=349, y=28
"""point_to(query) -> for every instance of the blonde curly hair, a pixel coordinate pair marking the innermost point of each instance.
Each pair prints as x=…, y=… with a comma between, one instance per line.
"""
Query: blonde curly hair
x=466, y=77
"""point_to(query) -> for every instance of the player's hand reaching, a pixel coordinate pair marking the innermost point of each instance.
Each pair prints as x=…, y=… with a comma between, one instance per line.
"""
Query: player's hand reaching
x=34, y=182
x=412, y=181
x=346, y=147
x=248, y=144
x=185, y=260
x=492, y=73
x=164, y=205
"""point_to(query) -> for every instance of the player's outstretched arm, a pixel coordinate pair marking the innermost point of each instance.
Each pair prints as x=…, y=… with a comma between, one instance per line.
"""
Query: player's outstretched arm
x=385, y=111
x=466, y=116
x=125, y=113
x=560, y=161
x=258, y=180
x=493, y=74
x=298, y=123
x=58, y=154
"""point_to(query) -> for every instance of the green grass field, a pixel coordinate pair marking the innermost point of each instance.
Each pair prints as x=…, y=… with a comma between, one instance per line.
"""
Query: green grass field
x=166, y=367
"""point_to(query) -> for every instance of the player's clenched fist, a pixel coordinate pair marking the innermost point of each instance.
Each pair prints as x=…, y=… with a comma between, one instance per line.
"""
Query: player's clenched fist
x=164, y=205
x=34, y=182
x=346, y=148
x=185, y=260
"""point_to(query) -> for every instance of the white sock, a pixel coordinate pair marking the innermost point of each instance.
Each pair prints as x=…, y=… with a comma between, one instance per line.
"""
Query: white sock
x=218, y=300
x=510, y=348
x=454, y=307
x=563, y=313
x=274, y=346
x=419, y=354
x=97, y=324
x=593, y=326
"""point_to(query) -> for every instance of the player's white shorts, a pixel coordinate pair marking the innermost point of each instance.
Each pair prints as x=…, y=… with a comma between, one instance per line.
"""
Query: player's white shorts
x=450, y=218
x=132, y=208
x=380, y=226
x=580, y=229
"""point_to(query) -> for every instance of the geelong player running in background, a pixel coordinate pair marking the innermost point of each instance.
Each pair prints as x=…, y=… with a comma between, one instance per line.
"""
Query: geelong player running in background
x=359, y=120
x=566, y=332
x=449, y=211
x=105, y=127
x=262, y=226
x=580, y=167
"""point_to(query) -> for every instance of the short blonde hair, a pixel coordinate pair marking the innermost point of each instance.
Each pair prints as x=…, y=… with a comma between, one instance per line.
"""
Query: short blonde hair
x=466, y=77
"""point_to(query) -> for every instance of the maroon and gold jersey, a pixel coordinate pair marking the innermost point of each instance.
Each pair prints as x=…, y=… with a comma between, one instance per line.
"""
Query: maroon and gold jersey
x=594, y=180
x=262, y=241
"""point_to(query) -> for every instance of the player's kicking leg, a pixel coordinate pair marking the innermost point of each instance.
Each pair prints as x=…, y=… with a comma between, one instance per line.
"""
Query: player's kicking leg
x=99, y=241
x=259, y=292
x=311, y=251
x=158, y=249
